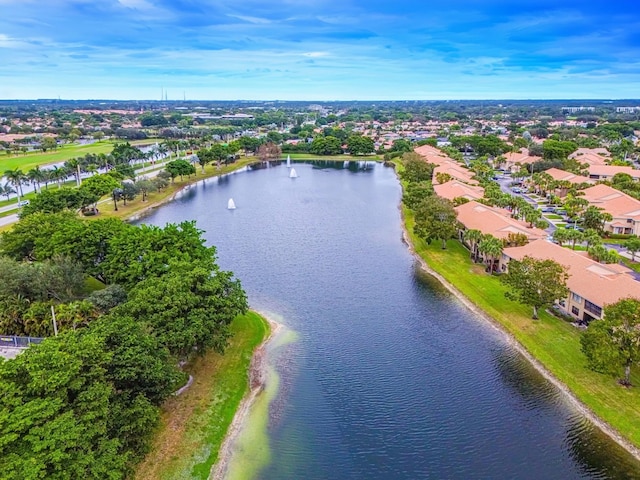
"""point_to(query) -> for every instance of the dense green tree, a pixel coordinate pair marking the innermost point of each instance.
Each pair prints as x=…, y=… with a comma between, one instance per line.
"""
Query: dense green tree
x=360, y=145
x=93, y=414
x=602, y=254
x=633, y=246
x=591, y=237
x=595, y=218
x=557, y=150
x=100, y=185
x=435, y=219
x=48, y=143
x=129, y=191
x=401, y=145
x=145, y=187
x=536, y=282
x=187, y=308
x=53, y=201
x=179, y=167
x=146, y=252
x=416, y=169
x=326, y=146
x=416, y=192
x=249, y=144
x=31, y=237
x=125, y=153
x=612, y=345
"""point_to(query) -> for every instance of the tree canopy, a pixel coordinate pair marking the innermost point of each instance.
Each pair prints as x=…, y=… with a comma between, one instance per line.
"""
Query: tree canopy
x=436, y=219
x=536, y=282
x=612, y=344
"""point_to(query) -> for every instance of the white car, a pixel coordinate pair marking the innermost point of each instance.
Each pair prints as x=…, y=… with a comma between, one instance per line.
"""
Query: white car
x=22, y=203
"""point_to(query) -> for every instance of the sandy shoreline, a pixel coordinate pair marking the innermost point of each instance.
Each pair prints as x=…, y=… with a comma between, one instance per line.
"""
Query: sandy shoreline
x=513, y=342
x=257, y=379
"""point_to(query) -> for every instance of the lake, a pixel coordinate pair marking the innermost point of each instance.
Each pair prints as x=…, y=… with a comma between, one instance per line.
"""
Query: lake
x=390, y=376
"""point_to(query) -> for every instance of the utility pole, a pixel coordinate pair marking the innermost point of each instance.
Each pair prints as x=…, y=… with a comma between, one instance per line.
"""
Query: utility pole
x=55, y=325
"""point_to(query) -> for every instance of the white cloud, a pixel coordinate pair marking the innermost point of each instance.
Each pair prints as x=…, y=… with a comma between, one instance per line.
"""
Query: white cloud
x=7, y=42
x=136, y=4
x=315, y=54
x=246, y=18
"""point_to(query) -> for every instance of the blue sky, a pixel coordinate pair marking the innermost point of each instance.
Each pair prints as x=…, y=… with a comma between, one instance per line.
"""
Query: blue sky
x=319, y=49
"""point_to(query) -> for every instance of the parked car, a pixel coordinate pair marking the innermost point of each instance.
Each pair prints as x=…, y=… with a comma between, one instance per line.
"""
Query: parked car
x=547, y=209
x=22, y=203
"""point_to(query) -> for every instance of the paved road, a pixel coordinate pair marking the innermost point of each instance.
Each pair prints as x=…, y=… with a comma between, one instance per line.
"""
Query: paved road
x=152, y=170
x=504, y=183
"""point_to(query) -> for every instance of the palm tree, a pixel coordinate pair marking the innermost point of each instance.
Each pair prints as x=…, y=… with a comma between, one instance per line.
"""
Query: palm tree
x=92, y=169
x=58, y=174
x=16, y=177
x=491, y=248
x=35, y=176
x=473, y=237
x=7, y=190
x=73, y=165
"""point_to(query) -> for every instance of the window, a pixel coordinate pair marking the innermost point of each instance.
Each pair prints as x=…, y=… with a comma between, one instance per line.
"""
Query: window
x=576, y=298
x=575, y=311
x=593, y=308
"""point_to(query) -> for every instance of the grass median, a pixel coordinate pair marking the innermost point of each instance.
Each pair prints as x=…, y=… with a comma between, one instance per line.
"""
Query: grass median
x=193, y=425
x=554, y=342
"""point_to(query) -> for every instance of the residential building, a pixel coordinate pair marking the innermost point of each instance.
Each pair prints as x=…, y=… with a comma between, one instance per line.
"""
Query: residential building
x=495, y=221
x=513, y=161
x=624, y=209
x=606, y=172
x=592, y=285
x=591, y=156
x=457, y=189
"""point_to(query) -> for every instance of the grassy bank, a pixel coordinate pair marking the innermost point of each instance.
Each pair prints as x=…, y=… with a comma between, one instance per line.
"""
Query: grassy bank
x=553, y=342
x=194, y=424
x=157, y=198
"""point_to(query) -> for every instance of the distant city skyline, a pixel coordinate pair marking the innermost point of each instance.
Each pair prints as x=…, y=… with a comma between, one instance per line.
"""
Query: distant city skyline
x=318, y=50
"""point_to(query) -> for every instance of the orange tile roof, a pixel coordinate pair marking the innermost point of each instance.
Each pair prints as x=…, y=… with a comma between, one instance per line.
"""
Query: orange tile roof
x=456, y=171
x=494, y=221
x=455, y=188
x=611, y=170
x=558, y=174
x=613, y=201
x=523, y=156
x=600, y=284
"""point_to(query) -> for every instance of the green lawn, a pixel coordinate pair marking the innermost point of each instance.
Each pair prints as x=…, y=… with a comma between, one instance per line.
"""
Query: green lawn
x=552, y=216
x=555, y=343
x=61, y=154
x=194, y=424
x=635, y=266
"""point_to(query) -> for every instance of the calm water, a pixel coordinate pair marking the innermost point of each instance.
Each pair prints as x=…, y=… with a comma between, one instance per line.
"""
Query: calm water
x=391, y=377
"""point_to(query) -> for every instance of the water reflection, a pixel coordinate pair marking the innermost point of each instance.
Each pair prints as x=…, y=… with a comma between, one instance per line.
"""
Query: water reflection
x=594, y=452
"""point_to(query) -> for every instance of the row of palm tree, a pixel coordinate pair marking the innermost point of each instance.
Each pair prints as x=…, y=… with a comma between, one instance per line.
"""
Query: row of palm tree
x=485, y=247
x=16, y=178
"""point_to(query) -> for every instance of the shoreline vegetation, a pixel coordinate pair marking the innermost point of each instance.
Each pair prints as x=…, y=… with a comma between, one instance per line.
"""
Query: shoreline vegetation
x=198, y=427
x=551, y=345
